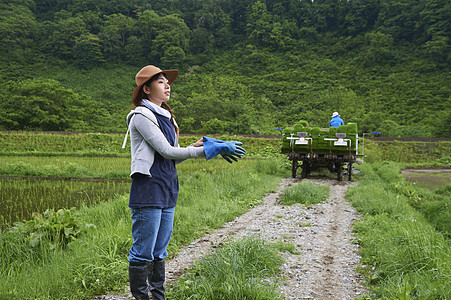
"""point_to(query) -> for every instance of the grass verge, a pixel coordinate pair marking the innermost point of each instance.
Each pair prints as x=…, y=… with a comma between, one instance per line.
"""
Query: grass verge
x=405, y=254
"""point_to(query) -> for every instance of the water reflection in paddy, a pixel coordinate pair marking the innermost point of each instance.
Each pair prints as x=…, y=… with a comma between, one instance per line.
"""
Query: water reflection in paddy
x=428, y=178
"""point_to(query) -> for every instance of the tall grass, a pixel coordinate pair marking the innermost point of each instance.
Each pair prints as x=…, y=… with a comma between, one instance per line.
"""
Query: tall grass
x=211, y=194
x=404, y=253
x=242, y=269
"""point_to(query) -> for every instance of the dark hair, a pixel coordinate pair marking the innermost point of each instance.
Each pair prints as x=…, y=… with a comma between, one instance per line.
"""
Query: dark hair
x=164, y=105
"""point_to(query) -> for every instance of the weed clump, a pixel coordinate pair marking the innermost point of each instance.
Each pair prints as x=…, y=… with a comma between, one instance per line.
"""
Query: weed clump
x=305, y=193
x=242, y=269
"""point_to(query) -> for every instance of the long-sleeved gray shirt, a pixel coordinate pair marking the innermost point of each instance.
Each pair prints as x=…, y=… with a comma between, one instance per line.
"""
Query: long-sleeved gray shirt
x=146, y=138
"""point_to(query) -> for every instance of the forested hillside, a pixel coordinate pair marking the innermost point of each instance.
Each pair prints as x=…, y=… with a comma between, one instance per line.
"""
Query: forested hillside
x=246, y=66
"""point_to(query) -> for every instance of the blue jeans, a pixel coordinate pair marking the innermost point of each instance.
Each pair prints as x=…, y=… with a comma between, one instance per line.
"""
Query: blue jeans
x=151, y=231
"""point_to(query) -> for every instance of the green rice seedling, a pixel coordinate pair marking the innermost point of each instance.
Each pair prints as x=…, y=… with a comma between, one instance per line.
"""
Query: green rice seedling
x=242, y=269
x=35, y=142
x=23, y=197
x=66, y=166
x=305, y=193
x=74, y=170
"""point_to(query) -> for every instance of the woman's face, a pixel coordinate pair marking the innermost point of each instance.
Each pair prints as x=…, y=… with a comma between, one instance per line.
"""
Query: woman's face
x=158, y=91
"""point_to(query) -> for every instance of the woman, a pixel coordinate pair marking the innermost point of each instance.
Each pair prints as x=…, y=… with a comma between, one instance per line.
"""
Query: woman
x=153, y=194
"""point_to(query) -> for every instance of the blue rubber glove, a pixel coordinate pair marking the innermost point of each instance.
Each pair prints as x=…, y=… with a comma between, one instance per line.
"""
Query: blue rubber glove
x=225, y=156
x=228, y=150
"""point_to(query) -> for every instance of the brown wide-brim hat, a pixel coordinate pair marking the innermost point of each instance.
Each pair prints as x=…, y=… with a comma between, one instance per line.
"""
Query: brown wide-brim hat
x=148, y=72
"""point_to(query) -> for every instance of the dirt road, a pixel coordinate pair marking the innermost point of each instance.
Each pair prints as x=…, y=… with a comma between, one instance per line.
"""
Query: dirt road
x=325, y=266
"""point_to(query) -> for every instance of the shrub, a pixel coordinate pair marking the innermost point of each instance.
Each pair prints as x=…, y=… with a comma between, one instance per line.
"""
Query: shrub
x=52, y=228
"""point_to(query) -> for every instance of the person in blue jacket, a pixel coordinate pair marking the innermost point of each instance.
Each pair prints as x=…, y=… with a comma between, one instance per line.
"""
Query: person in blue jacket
x=153, y=194
x=336, y=120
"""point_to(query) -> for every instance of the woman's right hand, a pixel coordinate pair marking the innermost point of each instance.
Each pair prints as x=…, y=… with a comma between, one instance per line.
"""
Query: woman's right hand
x=199, y=143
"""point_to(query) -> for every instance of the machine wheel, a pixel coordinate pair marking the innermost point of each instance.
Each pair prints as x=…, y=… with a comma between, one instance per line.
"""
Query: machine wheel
x=294, y=167
x=339, y=169
x=305, y=169
x=349, y=171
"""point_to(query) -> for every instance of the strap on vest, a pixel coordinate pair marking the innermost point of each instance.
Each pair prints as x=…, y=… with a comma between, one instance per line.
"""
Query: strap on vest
x=150, y=116
x=125, y=139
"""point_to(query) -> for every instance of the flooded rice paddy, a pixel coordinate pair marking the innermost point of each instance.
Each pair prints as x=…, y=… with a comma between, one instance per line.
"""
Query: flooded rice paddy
x=428, y=178
x=21, y=197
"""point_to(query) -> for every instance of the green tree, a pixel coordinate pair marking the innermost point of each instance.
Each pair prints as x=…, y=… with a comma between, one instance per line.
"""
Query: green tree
x=66, y=31
x=435, y=19
x=377, y=49
x=147, y=25
x=106, y=7
x=360, y=17
x=221, y=103
x=17, y=28
x=87, y=51
x=301, y=11
x=258, y=27
x=112, y=48
x=438, y=50
x=284, y=35
x=325, y=15
x=216, y=22
x=135, y=50
x=174, y=57
x=93, y=21
x=201, y=41
x=171, y=31
x=114, y=34
x=236, y=10
x=43, y=104
x=400, y=19
x=122, y=24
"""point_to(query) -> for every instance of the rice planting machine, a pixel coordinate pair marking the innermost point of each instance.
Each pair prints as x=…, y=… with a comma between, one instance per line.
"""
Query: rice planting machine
x=314, y=148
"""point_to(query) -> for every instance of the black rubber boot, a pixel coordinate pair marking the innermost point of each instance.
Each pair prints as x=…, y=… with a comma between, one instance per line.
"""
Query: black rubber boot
x=138, y=281
x=156, y=277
